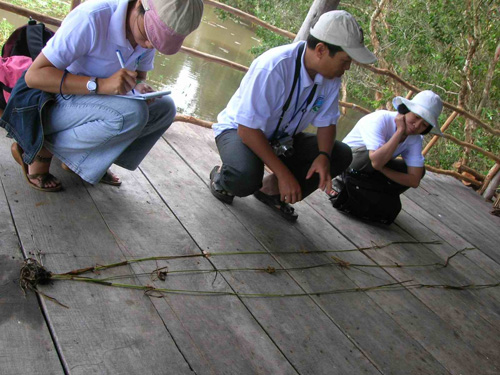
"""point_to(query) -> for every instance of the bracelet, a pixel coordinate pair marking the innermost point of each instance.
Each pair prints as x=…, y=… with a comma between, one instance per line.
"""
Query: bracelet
x=326, y=154
x=60, y=86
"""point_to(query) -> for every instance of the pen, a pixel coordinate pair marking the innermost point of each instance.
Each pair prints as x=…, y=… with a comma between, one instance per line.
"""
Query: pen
x=122, y=63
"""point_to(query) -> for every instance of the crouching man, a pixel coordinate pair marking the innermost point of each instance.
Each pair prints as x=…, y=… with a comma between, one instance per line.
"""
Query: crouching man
x=286, y=89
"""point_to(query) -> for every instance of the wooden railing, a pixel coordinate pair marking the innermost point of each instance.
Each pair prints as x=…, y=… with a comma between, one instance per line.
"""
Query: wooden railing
x=486, y=185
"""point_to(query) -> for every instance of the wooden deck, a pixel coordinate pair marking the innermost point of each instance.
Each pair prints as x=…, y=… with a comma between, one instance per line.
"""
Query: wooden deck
x=165, y=208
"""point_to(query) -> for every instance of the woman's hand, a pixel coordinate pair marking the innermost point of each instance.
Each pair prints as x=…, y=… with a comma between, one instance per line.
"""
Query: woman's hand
x=400, y=124
x=144, y=88
x=119, y=83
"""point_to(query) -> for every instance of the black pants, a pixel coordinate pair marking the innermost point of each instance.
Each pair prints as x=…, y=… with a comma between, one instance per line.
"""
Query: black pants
x=242, y=171
x=361, y=162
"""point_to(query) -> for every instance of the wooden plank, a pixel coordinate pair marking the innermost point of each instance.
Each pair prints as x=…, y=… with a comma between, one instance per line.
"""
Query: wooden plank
x=488, y=299
x=104, y=330
x=302, y=331
x=458, y=309
x=461, y=210
x=436, y=335
x=452, y=238
x=215, y=334
x=356, y=314
x=25, y=343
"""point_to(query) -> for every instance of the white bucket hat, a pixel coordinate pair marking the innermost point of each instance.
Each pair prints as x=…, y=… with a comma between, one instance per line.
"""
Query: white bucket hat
x=427, y=105
x=339, y=28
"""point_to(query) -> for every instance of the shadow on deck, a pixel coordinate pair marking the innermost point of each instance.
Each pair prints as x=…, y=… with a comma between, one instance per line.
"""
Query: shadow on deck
x=332, y=325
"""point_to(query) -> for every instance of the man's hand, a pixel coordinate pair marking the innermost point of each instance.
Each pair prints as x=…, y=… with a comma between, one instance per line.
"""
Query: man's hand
x=290, y=191
x=321, y=166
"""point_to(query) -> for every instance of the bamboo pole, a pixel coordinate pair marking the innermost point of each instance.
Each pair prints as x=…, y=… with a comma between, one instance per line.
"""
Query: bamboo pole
x=194, y=121
x=208, y=124
x=434, y=139
x=248, y=17
x=29, y=13
x=493, y=171
x=473, y=146
x=461, y=111
x=219, y=60
x=463, y=168
x=355, y=107
x=458, y=176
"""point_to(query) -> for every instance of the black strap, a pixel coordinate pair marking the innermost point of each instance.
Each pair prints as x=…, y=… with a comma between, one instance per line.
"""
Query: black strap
x=308, y=101
x=298, y=65
x=35, y=34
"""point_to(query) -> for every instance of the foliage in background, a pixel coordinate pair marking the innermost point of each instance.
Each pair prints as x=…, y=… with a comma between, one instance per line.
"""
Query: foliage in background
x=425, y=42
x=54, y=8
x=5, y=30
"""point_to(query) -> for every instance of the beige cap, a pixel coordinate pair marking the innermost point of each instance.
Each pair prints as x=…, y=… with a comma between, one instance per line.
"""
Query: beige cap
x=339, y=28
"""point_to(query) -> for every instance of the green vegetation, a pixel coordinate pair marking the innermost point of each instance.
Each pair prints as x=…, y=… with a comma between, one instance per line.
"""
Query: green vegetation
x=427, y=43
x=5, y=30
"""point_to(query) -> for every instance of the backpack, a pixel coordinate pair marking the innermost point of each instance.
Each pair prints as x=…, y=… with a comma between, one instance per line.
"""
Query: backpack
x=367, y=198
x=22, y=46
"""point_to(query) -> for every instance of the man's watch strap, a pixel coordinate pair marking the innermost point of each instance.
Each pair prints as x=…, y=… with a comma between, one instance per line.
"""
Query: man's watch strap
x=326, y=154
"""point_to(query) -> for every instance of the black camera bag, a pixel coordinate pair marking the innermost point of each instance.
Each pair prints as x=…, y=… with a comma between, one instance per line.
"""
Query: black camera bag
x=367, y=198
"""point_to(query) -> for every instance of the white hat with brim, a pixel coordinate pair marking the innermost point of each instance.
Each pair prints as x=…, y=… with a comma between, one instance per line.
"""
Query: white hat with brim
x=339, y=28
x=425, y=104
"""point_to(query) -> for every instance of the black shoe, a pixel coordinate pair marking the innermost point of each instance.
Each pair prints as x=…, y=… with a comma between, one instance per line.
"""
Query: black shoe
x=216, y=190
x=273, y=201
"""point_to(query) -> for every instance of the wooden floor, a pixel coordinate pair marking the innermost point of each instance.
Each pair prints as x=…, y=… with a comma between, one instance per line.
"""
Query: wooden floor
x=165, y=208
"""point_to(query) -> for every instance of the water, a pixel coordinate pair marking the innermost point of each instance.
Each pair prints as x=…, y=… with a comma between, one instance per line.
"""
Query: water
x=201, y=88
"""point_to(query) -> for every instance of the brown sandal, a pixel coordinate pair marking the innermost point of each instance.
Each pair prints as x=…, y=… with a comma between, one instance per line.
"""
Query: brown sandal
x=108, y=178
x=42, y=178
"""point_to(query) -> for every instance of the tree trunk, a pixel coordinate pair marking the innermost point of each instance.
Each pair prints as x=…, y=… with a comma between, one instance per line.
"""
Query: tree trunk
x=317, y=9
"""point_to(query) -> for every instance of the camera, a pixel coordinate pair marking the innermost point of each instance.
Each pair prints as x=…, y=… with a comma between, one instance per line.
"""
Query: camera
x=283, y=147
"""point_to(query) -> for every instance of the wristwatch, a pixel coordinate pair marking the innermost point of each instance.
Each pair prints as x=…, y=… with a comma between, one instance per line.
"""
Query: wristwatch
x=92, y=85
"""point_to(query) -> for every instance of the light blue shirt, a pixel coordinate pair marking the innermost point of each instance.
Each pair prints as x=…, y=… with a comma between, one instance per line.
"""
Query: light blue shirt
x=259, y=100
x=88, y=38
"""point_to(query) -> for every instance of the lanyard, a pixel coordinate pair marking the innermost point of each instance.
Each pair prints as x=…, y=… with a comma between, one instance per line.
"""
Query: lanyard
x=303, y=107
x=296, y=78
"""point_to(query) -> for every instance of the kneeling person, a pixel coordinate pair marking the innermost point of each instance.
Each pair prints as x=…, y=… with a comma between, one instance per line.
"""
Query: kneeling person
x=286, y=89
x=376, y=177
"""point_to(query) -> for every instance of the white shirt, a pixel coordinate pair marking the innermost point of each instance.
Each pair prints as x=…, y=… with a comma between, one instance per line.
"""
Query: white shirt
x=259, y=100
x=88, y=38
x=374, y=130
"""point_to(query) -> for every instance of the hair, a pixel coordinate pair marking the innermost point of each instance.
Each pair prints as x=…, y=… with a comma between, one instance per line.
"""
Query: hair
x=141, y=9
x=312, y=42
x=403, y=109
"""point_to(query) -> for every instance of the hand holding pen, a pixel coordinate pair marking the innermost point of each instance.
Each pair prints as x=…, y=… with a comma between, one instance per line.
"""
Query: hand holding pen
x=127, y=77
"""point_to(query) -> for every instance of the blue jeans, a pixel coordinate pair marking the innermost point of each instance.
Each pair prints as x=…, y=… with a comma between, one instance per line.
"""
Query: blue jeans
x=90, y=132
x=242, y=171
